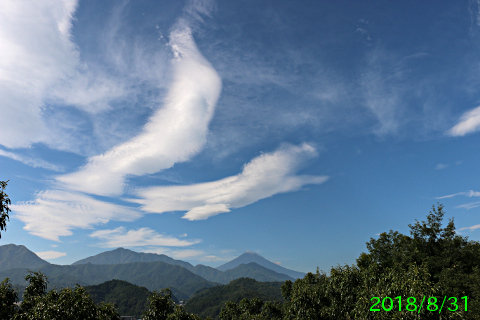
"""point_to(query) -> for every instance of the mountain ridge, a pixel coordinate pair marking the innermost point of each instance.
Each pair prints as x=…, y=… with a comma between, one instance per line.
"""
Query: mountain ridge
x=122, y=255
x=19, y=256
x=249, y=256
x=15, y=261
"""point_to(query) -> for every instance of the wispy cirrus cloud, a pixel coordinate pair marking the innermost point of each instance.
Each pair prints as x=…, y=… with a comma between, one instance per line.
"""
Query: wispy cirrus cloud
x=383, y=91
x=263, y=177
x=41, y=67
x=469, y=206
x=469, y=193
x=29, y=66
x=141, y=237
x=55, y=213
x=174, y=133
x=32, y=162
x=469, y=122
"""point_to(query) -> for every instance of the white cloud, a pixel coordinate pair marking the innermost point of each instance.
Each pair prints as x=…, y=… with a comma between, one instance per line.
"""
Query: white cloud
x=36, y=52
x=471, y=228
x=120, y=237
x=47, y=255
x=54, y=213
x=469, y=122
x=263, y=177
x=173, y=134
x=32, y=162
x=40, y=69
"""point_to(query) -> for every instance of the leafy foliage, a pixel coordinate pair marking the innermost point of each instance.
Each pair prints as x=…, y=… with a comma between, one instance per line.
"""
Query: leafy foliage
x=8, y=297
x=4, y=206
x=162, y=307
x=253, y=308
x=64, y=304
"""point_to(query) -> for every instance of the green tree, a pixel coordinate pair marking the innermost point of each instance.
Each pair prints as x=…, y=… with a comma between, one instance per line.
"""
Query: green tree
x=162, y=307
x=249, y=309
x=4, y=206
x=8, y=298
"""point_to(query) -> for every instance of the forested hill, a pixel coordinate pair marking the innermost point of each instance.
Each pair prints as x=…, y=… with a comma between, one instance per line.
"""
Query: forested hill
x=13, y=256
x=131, y=300
x=208, y=302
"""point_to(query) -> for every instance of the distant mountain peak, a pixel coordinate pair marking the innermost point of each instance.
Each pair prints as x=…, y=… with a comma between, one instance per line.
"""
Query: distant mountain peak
x=18, y=256
x=122, y=255
x=250, y=256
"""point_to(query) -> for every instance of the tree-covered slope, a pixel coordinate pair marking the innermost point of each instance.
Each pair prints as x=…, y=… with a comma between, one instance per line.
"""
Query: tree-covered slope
x=13, y=256
x=152, y=275
x=131, y=300
x=209, y=301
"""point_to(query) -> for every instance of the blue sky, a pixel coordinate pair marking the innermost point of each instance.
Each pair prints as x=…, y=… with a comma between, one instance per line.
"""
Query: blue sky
x=201, y=129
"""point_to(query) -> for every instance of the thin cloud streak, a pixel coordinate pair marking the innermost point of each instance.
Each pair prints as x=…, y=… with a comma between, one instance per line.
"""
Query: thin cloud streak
x=469, y=194
x=35, y=163
x=55, y=213
x=263, y=177
x=469, y=206
x=173, y=134
x=120, y=237
x=471, y=228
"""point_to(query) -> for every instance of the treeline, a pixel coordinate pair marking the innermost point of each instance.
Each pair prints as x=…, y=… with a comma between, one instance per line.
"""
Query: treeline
x=432, y=273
